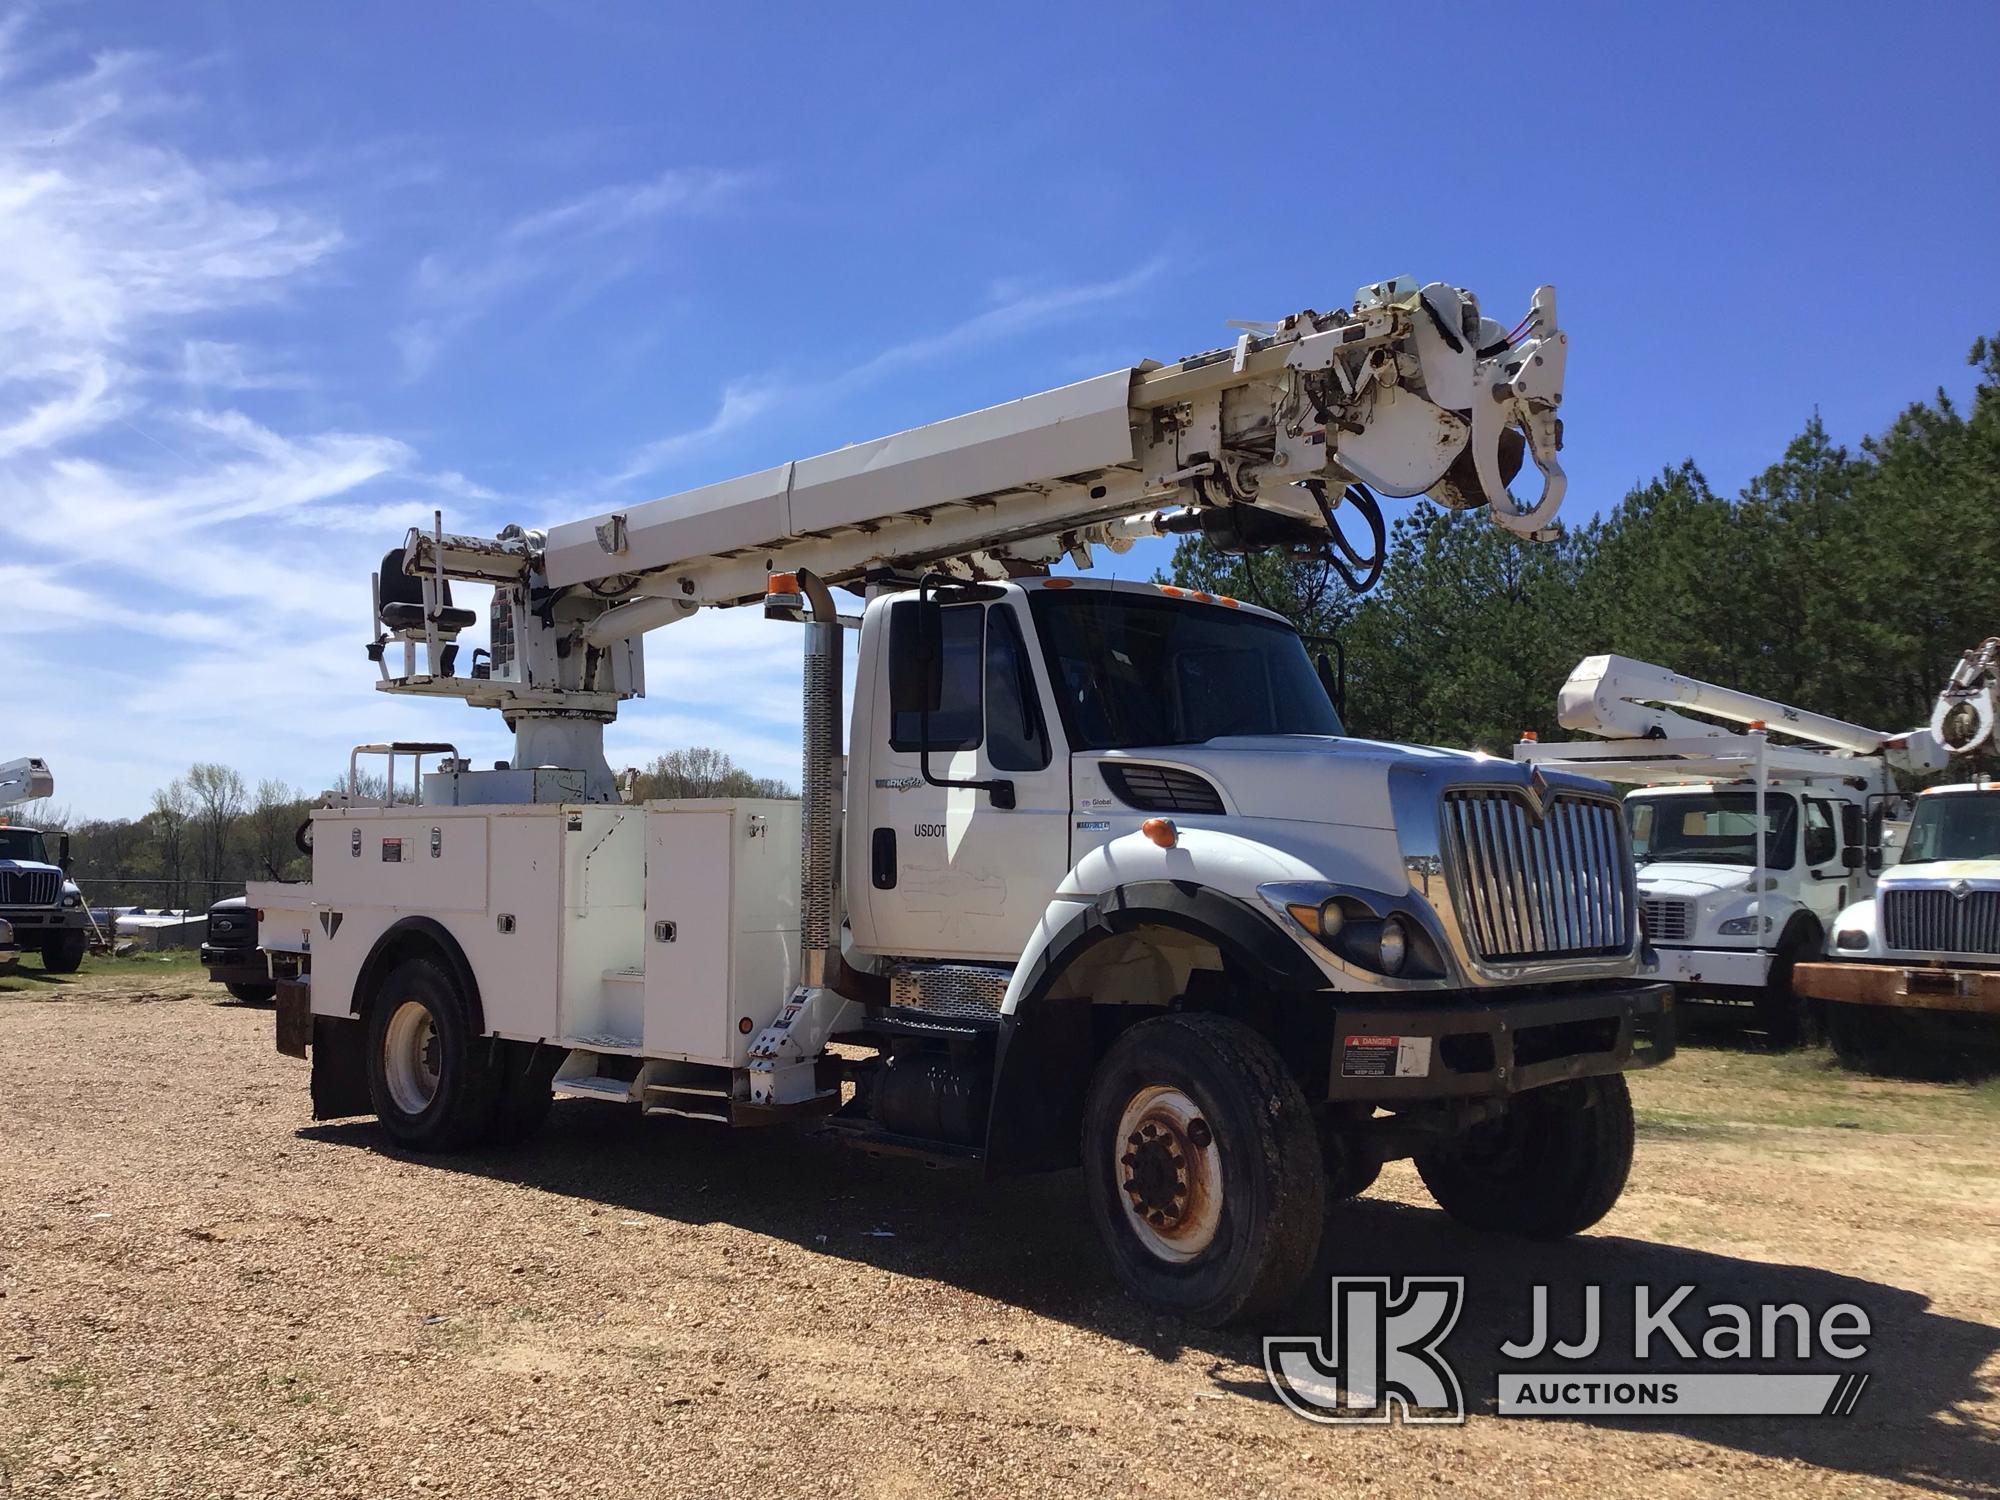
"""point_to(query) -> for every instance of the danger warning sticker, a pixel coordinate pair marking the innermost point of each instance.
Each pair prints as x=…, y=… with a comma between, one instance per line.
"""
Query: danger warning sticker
x=1386, y=1057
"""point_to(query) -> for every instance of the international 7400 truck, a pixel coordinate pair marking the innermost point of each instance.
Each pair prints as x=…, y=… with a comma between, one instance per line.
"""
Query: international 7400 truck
x=1090, y=874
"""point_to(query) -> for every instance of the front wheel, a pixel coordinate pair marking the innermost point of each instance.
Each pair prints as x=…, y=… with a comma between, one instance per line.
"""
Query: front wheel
x=1552, y=1165
x=64, y=954
x=252, y=994
x=1203, y=1168
x=1790, y=1019
x=428, y=1081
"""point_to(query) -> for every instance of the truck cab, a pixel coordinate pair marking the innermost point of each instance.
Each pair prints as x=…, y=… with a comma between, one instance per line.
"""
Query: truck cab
x=1730, y=915
x=1919, y=958
x=39, y=901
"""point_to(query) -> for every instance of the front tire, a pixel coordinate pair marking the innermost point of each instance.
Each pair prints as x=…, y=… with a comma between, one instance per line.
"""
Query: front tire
x=1203, y=1168
x=1790, y=1019
x=260, y=993
x=1552, y=1165
x=64, y=954
x=428, y=1080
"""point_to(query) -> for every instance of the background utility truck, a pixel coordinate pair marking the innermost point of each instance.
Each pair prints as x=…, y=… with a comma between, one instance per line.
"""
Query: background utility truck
x=40, y=902
x=1746, y=849
x=1912, y=980
x=1099, y=877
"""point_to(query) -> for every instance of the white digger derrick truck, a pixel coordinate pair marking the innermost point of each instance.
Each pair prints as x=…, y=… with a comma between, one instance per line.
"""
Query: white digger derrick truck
x=1911, y=979
x=1097, y=876
x=41, y=908
x=1747, y=849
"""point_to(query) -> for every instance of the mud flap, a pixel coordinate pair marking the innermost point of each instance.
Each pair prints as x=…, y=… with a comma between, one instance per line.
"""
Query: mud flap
x=339, y=1068
x=294, y=1016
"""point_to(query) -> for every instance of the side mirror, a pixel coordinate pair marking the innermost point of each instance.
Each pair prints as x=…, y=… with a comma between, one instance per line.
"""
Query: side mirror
x=916, y=656
x=62, y=851
x=1851, y=857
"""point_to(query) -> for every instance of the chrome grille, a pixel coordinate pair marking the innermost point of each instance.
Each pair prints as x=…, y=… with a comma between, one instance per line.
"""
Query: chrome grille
x=1668, y=918
x=1936, y=921
x=29, y=887
x=965, y=991
x=1555, y=886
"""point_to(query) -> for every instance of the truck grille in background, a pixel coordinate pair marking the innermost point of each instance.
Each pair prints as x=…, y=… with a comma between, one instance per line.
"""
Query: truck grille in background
x=29, y=887
x=1560, y=886
x=1160, y=788
x=1938, y=922
x=232, y=929
x=1667, y=918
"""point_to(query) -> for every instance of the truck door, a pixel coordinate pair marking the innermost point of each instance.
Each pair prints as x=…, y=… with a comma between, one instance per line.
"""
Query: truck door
x=1824, y=887
x=951, y=873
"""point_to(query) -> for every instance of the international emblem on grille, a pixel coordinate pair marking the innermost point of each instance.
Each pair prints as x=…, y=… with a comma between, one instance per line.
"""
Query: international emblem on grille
x=1960, y=889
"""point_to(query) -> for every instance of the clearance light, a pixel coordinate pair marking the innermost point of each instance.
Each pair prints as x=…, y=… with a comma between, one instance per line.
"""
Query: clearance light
x=1529, y=737
x=1058, y=583
x=1161, y=831
x=1756, y=726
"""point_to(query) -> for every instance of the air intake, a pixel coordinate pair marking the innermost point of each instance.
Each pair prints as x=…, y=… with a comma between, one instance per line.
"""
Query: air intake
x=1165, y=789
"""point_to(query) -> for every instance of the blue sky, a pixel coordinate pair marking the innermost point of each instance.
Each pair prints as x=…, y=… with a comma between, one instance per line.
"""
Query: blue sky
x=276, y=281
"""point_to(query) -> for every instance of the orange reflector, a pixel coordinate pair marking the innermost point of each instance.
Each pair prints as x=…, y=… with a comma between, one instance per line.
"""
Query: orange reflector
x=782, y=583
x=1161, y=831
x=1225, y=599
x=1529, y=737
x=1169, y=590
x=1057, y=583
x=260, y=913
x=1756, y=724
x=743, y=1025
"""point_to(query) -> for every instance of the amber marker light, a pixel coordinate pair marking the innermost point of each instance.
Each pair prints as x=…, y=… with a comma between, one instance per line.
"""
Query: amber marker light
x=1161, y=831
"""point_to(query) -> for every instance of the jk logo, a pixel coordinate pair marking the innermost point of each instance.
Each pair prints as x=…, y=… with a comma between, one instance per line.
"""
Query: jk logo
x=1380, y=1354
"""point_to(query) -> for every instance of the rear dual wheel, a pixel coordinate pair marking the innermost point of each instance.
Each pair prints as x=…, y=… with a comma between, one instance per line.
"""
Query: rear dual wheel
x=434, y=1082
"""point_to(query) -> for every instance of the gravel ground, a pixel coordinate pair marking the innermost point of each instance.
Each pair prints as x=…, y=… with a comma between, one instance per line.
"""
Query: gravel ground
x=204, y=1293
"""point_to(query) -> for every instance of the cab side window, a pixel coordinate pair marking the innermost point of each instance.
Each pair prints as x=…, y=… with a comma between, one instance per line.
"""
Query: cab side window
x=956, y=724
x=1016, y=739
x=1821, y=843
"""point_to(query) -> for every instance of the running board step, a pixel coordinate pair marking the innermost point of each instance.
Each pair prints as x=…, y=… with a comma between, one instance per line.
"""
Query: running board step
x=593, y=1087
x=690, y=1101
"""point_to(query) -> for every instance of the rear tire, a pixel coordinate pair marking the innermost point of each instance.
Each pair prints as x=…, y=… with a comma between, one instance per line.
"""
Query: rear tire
x=252, y=994
x=1552, y=1165
x=429, y=1079
x=64, y=954
x=1203, y=1168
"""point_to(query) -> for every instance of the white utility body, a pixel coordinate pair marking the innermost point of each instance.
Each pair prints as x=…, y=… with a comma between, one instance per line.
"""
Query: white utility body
x=1913, y=972
x=1747, y=849
x=1090, y=873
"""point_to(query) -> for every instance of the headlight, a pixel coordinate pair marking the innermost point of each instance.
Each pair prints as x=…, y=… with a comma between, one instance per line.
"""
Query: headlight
x=1744, y=926
x=1393, y=946
x=1850, y=938
x=1326, y=919
x=72, y=899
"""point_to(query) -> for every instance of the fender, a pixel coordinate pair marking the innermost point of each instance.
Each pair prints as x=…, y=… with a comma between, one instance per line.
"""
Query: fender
x=1046, y=1051
x=411, y=934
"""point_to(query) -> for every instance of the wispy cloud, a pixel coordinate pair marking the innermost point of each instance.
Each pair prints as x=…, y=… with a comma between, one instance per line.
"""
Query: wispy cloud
x=1015, y=310
x=451, y=290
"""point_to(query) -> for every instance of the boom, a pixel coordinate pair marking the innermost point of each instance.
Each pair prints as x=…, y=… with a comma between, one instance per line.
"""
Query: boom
x=1410, y=390
x=25, y=780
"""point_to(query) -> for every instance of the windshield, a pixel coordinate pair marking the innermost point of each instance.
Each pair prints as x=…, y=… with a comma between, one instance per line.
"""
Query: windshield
x=1714, y=828
x=1956, y=825
x=23, y=843
x=1137, y=669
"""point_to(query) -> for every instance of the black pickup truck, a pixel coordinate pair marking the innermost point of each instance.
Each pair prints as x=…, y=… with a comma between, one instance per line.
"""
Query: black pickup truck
x=229, y=951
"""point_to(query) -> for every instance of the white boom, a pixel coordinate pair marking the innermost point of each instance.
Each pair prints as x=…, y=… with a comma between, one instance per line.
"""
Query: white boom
x=1963, y=719
x=1410, y=390
x=1626, y=700
x=26, y=780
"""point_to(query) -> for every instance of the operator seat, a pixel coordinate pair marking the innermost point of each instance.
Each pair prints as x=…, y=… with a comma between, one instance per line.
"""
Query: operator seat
x=400, y=601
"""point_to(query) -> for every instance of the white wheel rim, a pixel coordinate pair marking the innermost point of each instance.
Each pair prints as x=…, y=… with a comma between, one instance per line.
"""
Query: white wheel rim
x=410, y=1057
x=1169, y=1173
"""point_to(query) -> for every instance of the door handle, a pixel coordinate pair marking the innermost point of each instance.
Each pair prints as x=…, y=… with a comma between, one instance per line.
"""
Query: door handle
x=882, y=859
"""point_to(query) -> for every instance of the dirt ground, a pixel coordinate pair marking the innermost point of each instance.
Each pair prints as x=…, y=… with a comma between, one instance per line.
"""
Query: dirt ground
x=204, y=1293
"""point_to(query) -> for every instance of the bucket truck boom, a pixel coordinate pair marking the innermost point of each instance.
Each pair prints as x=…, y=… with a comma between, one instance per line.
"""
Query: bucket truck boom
x=1090, y=873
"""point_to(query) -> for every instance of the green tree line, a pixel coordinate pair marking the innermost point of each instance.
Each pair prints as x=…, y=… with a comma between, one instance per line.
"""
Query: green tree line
x=1845, y=582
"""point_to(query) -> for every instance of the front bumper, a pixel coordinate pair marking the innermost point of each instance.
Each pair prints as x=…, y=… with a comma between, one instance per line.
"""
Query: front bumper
x=1726, y=968
x=1491, y=1047
x=1973, y=990
x=234, y=965
x=33, y=921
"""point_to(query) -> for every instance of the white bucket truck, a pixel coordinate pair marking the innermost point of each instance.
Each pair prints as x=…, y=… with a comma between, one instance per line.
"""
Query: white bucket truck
x=1097, y=877
x=1747, y=849
x=1912, y=979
